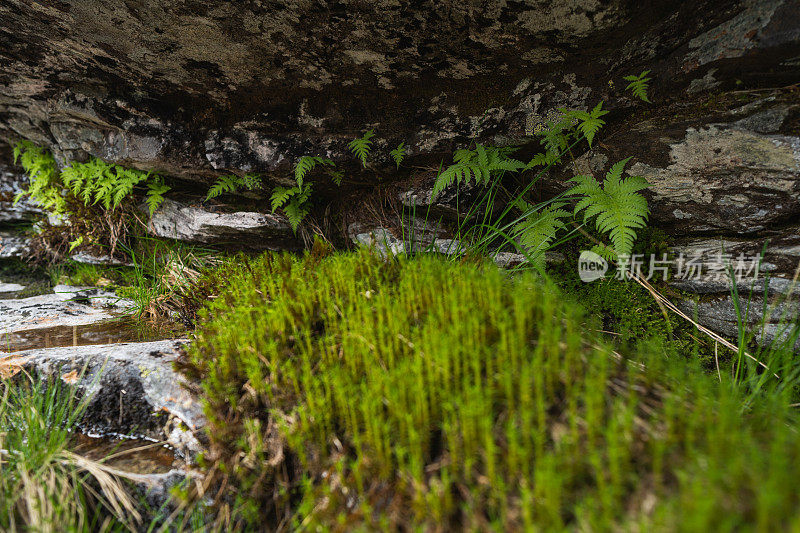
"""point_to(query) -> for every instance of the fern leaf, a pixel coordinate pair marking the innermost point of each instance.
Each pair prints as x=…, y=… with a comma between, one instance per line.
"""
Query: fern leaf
x=638, y=85
x=336, y=176
x=281, y=195
x=553, y=137
x=590, y=123
x=399, y=153
x=223, y=185
x=74, y=244
x=251, y=182
x=545, y=159
x=295, y=211
x=478, y=165
x=306, y=164
x=538, y=229
x=155, y=195
x=361, y=147
x=618, y=208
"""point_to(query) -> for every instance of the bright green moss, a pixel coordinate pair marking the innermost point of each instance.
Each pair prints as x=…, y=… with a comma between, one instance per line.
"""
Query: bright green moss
x=346, y=391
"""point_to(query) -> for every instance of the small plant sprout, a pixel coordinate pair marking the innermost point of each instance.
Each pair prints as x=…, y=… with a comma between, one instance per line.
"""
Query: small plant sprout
x=638, y=85
x=399, y=153
x=362, y=146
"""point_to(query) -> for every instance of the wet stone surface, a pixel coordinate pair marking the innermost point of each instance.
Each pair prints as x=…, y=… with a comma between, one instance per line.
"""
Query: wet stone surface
x=65, y=306
x=140, y=418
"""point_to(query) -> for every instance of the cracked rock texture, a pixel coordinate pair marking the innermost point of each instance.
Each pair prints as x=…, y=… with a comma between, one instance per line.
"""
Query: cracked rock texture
x=195, y=88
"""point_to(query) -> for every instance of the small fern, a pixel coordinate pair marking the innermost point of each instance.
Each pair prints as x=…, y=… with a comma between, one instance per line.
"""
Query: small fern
x=399, y=153
x=362, y=146
x=44, y=186
x=75, y=243
x=555, y=136
x=306, y=164
x=281, y=195
x=233, y=183
x=293, y=201
x=638, y=85
x=155, y=195
x=617, y=204
x=479, y=165
x=537, y=230
x=589, y=123
x=336, y=176
x=93, y=182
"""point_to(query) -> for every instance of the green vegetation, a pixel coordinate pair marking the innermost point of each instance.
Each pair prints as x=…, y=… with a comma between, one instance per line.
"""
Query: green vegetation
x=638, y=85
x=349, y=392
x=233, y=183
x=532, y=229
x=94, y=182
x=479, y=165
x=399, y=154
x=44, y=486
x=618, y=206
x=294, y=200
x=94, y=197
x=362, y=146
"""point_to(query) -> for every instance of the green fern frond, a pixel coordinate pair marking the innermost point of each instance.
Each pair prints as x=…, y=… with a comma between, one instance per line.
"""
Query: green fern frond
x=545, y=159
x=362, y=146
x=590, y=123
x=295, y=213
x=155, y=195
x=478, y=165
x=306, y=164
x=92, y=182
x=638, y=85
x=336, y=176
x=251, y=182
x=42, y=172
x=399, y=153
x=294, y=201
x=605, y=251
x=618, y=206
x=223, y=185
x=554, y=138
x=74, y=244
x=538, y=229
x=125, y=185
x=281, y=195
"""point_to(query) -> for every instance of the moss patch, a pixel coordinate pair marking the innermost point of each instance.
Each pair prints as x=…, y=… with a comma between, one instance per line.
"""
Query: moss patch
x=344, y=391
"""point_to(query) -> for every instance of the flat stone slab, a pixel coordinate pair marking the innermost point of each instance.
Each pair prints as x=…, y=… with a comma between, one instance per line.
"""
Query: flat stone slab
x=202, y=225
x=11, y=287
x=67, y=306
x=133, y=388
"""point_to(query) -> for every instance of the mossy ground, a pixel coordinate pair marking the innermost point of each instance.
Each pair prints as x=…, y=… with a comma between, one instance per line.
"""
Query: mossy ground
x=345, y=391
x=626, y=313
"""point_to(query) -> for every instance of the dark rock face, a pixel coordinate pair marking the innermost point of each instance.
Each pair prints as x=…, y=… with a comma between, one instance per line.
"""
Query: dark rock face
x=195, y=88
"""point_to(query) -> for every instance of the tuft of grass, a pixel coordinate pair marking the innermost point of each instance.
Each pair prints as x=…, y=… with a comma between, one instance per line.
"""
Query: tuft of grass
x=44, y=486
x=347, y=391
x=163, y=277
